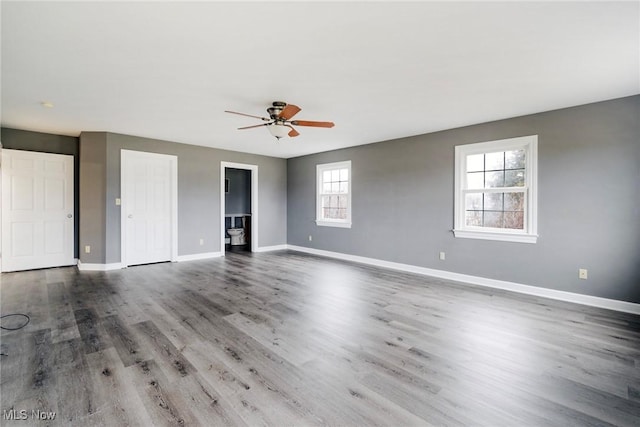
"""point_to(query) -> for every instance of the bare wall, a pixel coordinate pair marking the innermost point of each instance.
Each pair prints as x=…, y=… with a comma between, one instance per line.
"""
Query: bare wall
x=93, y=176
x=589, y=202
x=238, y=199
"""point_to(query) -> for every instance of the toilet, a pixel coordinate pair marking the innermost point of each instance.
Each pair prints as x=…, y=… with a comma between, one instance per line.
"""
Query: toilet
x=237, y=236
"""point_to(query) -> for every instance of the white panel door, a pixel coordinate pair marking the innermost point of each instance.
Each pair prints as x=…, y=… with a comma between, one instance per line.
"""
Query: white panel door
x=37, y=210
x=148, y=200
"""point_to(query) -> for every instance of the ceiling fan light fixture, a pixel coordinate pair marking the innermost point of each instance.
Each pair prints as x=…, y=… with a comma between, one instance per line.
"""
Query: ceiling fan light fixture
x=280, y=121
x=279, y=131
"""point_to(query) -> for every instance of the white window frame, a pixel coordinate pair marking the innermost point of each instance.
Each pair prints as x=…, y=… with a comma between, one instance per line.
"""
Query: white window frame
x=530, y=232
x=320, y=169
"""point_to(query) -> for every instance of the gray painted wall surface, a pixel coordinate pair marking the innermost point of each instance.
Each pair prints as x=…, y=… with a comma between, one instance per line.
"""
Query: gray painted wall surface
x=198, y=194
x=238, y=199
x=93, y=178
x=588, y=202
x=16, y=139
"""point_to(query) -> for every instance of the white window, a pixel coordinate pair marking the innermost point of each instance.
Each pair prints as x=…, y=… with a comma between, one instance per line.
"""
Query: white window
x=495, y=190
x=333, y=202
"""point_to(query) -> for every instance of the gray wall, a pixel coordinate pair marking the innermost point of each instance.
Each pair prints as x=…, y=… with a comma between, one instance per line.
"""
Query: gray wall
x=238, y=199
x=16, y=139
x=198, y=195
x=93, y=175
x=588, y=202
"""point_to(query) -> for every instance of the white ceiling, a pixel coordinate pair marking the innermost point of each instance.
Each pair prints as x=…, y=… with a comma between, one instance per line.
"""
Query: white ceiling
x=379, y=70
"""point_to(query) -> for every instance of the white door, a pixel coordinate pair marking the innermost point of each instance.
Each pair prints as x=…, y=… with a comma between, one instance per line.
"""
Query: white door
x=148, y=207
x=37, y=210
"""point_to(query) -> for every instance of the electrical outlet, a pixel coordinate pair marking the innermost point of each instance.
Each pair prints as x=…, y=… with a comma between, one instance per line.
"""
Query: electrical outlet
x=310, y=238
x=201, y=242
x=118, y=202
x=87, y=249
x=442, y=256
x=582, y=273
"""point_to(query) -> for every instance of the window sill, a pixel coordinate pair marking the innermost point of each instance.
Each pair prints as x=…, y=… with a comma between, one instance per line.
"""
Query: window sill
x=491, y=235
x=325, y=223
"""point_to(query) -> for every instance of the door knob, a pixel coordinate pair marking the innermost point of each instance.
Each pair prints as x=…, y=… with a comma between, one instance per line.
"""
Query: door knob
x=69, y=216
x=130, y=216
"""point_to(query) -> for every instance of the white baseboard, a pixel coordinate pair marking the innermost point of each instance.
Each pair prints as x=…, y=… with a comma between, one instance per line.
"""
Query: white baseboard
x=74, y=261
x=272, y=248
x=623, y=306
x=195, y=257
x=83, y=266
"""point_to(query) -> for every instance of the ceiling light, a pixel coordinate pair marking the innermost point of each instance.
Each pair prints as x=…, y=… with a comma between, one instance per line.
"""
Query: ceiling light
x=279, y=131
x=47, y=104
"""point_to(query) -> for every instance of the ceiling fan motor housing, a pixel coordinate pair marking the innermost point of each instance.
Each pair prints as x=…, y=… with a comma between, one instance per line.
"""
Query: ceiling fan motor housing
x=277, y=108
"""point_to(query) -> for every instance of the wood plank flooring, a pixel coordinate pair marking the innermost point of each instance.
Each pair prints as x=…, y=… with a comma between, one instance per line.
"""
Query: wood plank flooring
x=285, y=338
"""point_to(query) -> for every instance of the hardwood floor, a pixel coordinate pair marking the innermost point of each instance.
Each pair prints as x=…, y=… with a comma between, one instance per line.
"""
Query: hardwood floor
x=285, y=338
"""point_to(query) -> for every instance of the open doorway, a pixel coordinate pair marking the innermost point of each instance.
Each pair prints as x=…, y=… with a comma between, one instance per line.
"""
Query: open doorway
x=238, y=207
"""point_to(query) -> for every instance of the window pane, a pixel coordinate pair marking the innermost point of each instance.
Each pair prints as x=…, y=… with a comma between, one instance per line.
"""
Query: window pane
x=514, y=202
x=344, y=187
x=473, y=218
x=494, y=161
x=514, y=220
x=326, y=176
x=492, y=219
x=514, y=178
x=326, y=187
x=326, y=201
x=473, y=201
x=335, y=187
x=330, y=213
x=342, y=201
x=475, y=163
x=494, y=179
x=335, y=175
x=341, y=213
x=344, y=174
x=514, y=159
x=475, y=180
x=493, y=201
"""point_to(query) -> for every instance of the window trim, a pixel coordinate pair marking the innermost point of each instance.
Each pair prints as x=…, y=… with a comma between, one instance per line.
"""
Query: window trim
x=530, y=233
x=341, y=223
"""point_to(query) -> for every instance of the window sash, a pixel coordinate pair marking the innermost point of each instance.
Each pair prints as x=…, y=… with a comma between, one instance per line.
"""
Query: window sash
x=504, y=190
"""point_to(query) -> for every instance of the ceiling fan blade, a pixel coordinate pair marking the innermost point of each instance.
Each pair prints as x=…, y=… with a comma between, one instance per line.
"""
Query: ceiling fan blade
x=254, y=126
x=312, y=123
x=248, y=115
x=293, y=132
x=289, y=111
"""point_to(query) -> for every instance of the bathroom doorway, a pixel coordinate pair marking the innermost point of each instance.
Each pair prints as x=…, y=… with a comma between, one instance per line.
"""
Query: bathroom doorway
x=238, y=207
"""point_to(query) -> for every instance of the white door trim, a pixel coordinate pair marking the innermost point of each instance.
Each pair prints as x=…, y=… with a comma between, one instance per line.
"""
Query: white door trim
x=254, y=202
x=126, y=155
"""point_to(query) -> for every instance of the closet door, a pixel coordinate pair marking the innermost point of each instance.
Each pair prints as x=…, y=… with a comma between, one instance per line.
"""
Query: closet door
x=148, y=205
x=37, y=210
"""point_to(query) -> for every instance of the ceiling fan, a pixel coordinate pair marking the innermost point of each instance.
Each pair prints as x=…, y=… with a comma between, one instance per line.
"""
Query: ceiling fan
x=279, y=120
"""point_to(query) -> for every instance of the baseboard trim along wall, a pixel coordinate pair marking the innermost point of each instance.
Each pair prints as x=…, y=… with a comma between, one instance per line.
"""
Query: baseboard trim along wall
x=623, y=306
x=118, y=265
x=83, y=266
x=272, y=248
x=195, y=257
